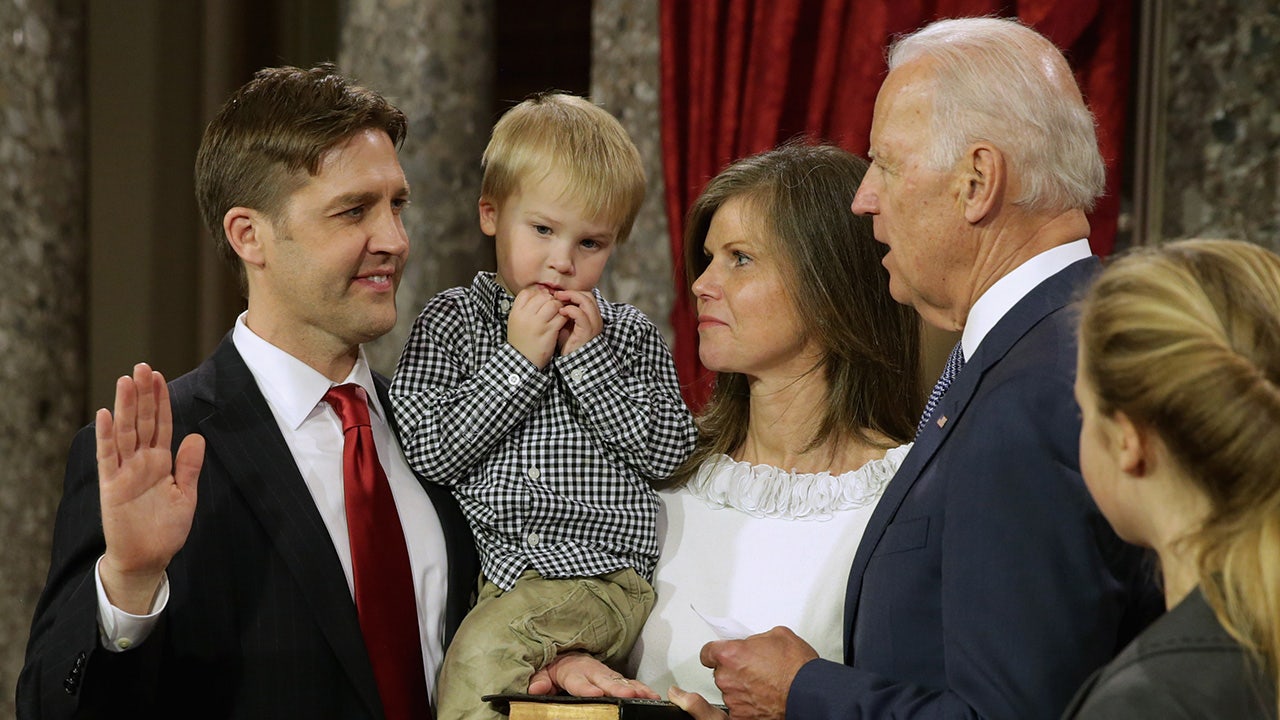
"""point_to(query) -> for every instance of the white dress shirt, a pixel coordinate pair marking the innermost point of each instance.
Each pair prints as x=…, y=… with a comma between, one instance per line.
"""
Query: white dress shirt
x=1000, y=298
x=294, y=391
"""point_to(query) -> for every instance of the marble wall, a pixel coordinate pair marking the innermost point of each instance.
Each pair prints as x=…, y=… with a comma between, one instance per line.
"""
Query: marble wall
x=1221, y=134
x=428, y=57
x=624, y=79
x=42, y=299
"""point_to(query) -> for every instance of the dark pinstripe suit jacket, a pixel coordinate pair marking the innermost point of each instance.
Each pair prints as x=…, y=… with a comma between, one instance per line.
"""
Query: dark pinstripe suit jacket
x=260, y=623
x=987, y=584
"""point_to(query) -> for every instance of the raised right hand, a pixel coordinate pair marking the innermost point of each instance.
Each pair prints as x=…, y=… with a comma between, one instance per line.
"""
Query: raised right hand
x=148, y=495
x=534, y=324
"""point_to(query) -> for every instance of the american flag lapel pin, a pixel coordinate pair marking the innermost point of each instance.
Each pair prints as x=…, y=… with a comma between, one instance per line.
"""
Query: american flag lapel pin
x=942, y=421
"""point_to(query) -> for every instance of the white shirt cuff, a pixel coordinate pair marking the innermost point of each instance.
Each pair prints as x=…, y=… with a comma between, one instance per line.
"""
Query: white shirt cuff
x=119, y=630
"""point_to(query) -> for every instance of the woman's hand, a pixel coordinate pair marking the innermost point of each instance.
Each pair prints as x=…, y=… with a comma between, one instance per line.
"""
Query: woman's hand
x=582, y=675
x=695, y=705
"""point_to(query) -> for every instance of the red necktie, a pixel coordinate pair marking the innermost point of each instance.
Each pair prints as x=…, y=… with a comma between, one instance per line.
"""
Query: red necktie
x=380, y=562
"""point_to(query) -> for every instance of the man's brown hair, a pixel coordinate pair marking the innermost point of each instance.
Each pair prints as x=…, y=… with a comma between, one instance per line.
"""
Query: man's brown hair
x=270, y=130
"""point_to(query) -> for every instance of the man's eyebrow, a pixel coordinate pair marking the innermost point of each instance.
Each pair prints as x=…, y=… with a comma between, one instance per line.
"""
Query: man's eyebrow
x=355, y=199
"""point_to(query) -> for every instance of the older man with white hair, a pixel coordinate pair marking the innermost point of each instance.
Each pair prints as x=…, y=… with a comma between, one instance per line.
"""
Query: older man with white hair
x=987, y=583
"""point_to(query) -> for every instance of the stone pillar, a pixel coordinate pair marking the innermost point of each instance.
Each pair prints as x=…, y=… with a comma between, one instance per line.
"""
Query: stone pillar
x=1222, y=121
x=624, y=80
x=430, y=58
x=42, y=278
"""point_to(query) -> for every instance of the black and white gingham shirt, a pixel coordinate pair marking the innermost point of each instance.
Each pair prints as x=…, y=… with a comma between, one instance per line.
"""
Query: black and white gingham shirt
x=551, y=467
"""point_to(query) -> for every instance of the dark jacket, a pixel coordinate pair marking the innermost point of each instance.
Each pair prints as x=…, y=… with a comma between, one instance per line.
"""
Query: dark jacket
x=1185, y=665
x=260, y=622
x=987, y=584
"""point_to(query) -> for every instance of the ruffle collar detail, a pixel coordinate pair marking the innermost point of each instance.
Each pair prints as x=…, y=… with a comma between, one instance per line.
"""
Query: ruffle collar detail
x=767, y=491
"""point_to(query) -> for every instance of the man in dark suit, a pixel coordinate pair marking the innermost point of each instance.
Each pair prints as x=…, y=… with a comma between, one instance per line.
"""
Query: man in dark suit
x=241, y=605
x=987, y=584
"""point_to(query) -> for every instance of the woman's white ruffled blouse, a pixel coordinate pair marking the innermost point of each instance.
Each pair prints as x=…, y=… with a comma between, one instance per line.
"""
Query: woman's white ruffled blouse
x=761, y=547
x=767, y=491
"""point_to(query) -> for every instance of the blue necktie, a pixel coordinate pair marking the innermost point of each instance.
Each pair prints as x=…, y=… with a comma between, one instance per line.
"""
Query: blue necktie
x=955, y=361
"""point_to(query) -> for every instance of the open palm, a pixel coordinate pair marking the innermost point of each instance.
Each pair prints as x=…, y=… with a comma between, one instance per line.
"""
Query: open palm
x=148, y=495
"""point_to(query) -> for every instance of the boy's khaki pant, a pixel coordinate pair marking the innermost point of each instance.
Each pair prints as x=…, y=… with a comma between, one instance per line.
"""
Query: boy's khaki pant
x=507, y=636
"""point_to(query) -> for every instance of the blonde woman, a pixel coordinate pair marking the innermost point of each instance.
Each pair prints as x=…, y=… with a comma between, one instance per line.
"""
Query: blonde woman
x=1179, y=390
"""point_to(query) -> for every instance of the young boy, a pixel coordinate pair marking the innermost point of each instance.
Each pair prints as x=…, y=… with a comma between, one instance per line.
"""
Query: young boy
x=547, y=409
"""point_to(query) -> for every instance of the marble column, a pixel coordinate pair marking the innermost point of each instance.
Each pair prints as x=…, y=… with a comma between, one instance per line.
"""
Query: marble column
x=624, y=80
x=429, y=58
x=1222, y=121
x=42, y=278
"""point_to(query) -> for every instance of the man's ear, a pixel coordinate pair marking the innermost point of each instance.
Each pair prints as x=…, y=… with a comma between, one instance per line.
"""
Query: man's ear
x=488, y=216
x=983, y=171
x=244, y=228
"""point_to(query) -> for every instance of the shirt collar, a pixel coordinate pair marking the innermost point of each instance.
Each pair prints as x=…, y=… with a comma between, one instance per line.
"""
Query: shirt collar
x=495, y=301
x=493, y=298
x=292, y=388
x=1000, y=298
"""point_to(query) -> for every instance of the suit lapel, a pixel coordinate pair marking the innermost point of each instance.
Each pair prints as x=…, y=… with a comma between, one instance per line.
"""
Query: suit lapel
x=1049, y=296
x=244, y=436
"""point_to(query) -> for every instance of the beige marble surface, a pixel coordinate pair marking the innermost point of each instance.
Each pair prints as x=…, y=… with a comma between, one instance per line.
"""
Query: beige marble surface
x=42, y=312
x=1222, y=143
x=624, y=79
x=428, y=57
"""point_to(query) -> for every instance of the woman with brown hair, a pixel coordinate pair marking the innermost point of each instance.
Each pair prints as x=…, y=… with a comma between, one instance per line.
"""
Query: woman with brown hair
x=816, y=397
x=1179, y=390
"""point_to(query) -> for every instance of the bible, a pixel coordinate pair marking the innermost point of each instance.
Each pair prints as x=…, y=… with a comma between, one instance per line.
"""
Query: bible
x=567, y=707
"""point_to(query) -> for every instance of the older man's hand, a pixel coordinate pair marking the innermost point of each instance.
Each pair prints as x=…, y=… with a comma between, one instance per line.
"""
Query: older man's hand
x=755, y=674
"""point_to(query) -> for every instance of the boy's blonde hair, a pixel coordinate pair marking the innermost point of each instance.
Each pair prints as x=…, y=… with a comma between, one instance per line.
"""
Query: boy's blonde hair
x=556, y=132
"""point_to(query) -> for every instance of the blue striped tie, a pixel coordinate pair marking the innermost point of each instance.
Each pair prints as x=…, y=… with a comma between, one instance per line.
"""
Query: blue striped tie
x=955, y=361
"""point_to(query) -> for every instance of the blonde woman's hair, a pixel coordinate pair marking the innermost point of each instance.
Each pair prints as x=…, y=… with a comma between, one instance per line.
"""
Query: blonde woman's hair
x=569, y=135
x=1185, y=339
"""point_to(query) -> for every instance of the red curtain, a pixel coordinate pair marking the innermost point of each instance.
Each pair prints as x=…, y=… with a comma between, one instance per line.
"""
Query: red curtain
x=740, y=76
